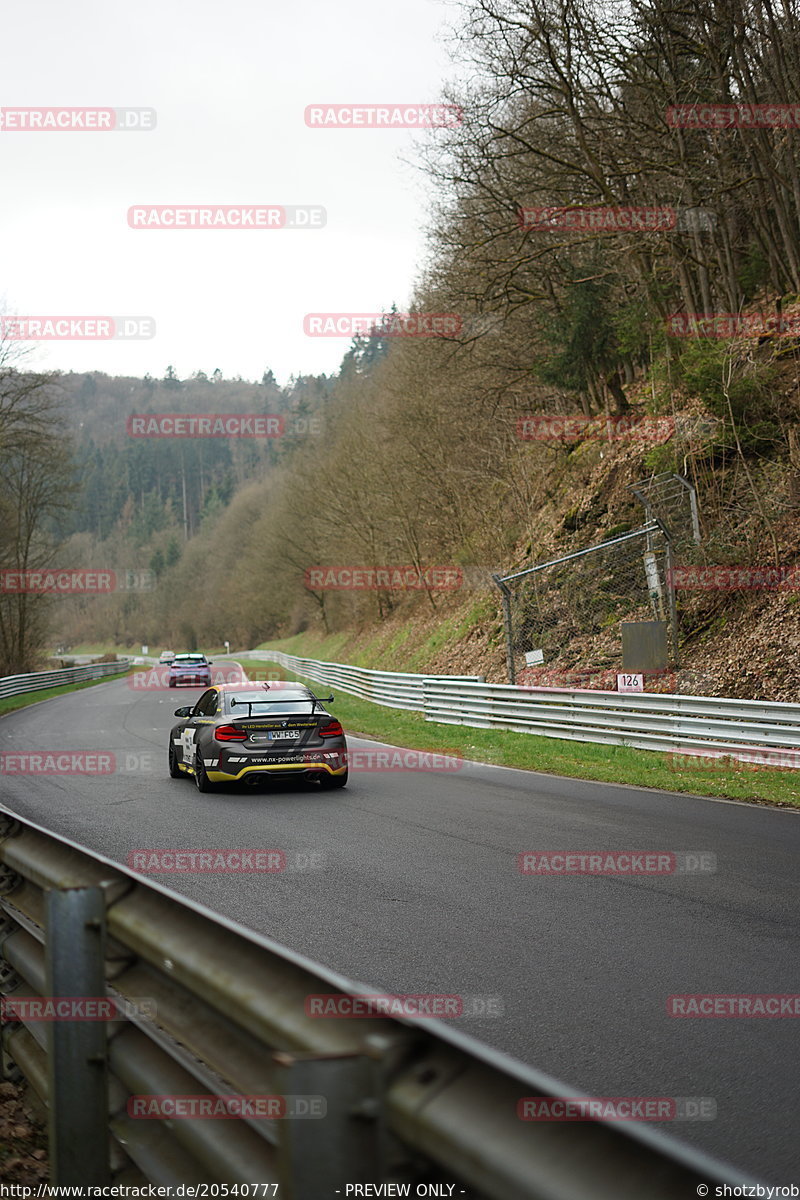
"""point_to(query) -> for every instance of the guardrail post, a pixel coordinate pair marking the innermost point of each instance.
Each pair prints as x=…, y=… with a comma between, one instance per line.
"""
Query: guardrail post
x=319, y=1157
x=77, y=1059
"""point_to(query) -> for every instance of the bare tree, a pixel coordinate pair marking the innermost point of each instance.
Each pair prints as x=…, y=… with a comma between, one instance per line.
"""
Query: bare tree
x=35, y=487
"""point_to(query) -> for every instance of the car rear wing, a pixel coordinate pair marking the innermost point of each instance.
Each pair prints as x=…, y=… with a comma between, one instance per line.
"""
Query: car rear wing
x=311, y=699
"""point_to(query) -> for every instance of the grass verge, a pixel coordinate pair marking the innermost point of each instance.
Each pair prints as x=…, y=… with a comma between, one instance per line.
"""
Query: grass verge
x=22, y=701
x=556, y=756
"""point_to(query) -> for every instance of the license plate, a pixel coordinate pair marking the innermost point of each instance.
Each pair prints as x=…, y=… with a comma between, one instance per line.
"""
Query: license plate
x=284, y=735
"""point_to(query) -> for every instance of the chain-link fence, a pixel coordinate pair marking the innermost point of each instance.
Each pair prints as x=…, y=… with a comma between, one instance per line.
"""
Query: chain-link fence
x=567, y=613
x=672, y=501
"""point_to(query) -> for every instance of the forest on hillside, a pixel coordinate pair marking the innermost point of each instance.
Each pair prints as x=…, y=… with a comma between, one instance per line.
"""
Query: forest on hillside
x=415, y=457
x=154, y=483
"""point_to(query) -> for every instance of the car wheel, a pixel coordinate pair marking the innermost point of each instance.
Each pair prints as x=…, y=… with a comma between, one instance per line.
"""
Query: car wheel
x=333, y=781
x=200, y=777
x=174, y=769
x=172, y=683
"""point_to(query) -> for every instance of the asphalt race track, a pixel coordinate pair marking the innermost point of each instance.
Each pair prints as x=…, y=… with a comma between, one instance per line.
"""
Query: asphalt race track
x=419, y=892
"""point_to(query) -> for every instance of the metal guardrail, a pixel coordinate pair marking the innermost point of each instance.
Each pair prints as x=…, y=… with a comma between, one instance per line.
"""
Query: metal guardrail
x=16, y=685
x=216, y=1010
x=394, y=689
x=704, y=724
x=709, y=725
x=648, y=721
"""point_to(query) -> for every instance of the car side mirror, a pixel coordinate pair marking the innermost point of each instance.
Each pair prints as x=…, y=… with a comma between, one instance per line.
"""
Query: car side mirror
x=186, y=711
x=329, y=699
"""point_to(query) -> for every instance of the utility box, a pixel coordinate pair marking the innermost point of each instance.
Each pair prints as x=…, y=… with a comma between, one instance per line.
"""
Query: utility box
x=644, y=646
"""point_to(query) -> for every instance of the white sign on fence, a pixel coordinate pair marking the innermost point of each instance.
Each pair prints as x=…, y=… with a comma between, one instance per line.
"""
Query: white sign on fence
x=630, y=683
x=534, y=657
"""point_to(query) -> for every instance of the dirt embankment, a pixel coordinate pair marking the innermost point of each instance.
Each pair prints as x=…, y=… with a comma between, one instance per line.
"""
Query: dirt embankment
x=741, y=643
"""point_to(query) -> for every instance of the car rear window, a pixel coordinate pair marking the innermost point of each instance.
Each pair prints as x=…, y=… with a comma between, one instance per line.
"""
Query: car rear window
x=260, y=707
x=189, y=660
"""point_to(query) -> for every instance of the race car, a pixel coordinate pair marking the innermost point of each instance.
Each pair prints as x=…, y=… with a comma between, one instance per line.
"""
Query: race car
x=166, y=656
x=190, y=668
x=247, y=732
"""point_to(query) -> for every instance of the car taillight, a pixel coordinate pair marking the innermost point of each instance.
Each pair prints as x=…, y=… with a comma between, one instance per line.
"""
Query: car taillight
x=229, y=733
x=332, y=729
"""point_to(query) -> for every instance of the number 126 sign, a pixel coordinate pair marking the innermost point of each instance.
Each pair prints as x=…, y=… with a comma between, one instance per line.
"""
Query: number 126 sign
x=630, y=683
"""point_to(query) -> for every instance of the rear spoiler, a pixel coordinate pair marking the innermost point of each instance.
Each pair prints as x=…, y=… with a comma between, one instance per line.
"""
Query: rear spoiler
x=312, y=700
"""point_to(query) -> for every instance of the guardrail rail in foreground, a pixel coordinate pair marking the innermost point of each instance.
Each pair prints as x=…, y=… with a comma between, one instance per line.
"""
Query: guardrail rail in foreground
x=212, y=1009
x=706, y=725
x=16, y=685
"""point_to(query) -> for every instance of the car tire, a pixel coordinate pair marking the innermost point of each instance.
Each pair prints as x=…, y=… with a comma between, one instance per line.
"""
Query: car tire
x=327, y=782
x=172, y=683
x=174, y=769
x=200, y=777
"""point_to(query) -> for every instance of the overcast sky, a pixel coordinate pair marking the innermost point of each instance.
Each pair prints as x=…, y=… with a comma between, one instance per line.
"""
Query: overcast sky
x=230, y=83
